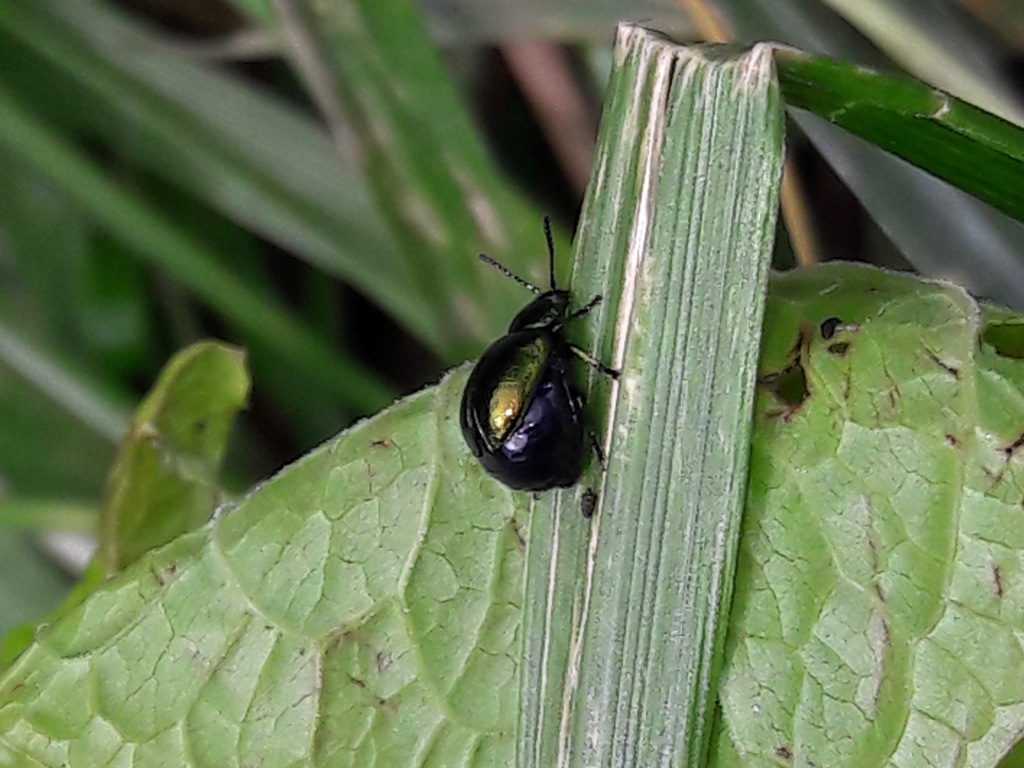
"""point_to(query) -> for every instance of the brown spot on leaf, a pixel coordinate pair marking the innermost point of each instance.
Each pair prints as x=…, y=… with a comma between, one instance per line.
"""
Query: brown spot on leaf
x=382, y=442
x=165, y=574
x=997, y=579
x=839, y=349
x=782, y=752
x=588, y=503
x=1015, y=446
x=878, y=590
x=952, y=440
x=385, y=705
x=952, y=370
x=336, y=638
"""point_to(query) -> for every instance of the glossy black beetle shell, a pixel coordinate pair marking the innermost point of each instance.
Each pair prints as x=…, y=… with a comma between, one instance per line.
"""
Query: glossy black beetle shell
x=546, y=445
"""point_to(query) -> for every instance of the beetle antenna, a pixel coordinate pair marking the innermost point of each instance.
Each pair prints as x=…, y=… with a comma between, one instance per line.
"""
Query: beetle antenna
x=551, y=250
x=509, y=273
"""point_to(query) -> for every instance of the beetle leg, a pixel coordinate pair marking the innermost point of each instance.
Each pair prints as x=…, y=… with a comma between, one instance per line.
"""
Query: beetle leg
x=584, y=310
x=589, y=359
x=595, y=446
x=594, y=363
x=598, y=452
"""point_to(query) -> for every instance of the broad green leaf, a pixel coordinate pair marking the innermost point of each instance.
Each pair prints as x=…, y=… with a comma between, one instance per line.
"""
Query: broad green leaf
x=365, y=603
x=360, y=608
x=971, y=149
x=165, y=482
x=879, y=591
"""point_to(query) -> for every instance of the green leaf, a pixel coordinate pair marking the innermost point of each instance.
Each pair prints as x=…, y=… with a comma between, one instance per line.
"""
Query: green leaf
x=366, y=601
x=936, y=44
x=625, y=615
x=165, y=481
x=971, y=149
x=879, y=585
x=360, y=608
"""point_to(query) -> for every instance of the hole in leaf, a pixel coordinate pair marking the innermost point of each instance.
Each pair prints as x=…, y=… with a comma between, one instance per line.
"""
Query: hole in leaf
x=839, y=349
x=1006, y=338
x=829, y=326
x=789, y=385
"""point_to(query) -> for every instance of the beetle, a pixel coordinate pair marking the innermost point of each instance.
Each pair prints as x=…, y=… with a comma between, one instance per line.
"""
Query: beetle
x=522, y=414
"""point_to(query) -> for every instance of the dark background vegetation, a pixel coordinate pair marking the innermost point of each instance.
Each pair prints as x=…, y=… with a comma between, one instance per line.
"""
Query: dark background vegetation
x=95, y=296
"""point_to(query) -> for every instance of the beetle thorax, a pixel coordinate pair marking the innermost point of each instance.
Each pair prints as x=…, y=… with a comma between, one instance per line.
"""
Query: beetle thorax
x=546, y=311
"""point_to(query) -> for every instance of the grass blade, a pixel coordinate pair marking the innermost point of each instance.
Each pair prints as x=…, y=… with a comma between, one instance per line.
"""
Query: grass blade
x=373, y=61
x=193, y=265
x=937, y=44
x=259, y=162
x=971, y=149
x=623, y=622
x=67, y=389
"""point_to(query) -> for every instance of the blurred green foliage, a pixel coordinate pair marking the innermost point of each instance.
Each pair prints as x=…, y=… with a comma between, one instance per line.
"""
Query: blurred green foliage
x=322, y=207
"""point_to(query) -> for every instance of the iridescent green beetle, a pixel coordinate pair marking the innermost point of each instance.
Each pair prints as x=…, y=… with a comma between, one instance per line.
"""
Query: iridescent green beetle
x=522, y=414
